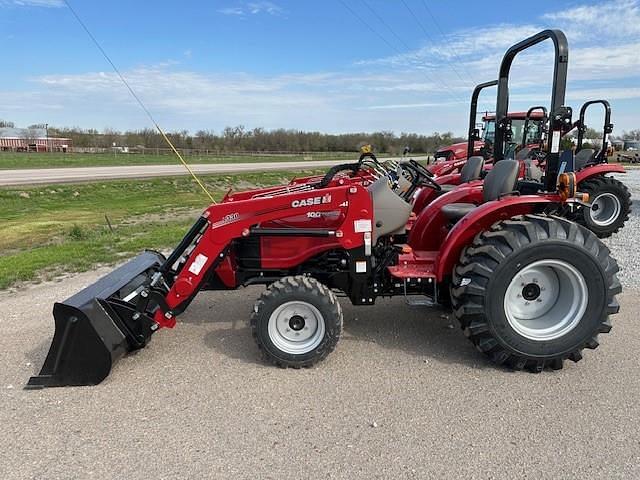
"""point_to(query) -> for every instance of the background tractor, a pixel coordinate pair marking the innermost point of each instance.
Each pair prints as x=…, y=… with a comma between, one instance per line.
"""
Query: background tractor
x=523, y=136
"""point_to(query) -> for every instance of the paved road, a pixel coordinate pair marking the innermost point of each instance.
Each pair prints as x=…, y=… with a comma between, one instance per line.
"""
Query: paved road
x=83, y=174
x=404, y=395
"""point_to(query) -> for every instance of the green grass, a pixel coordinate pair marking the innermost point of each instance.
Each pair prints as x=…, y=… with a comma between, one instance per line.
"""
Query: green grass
x=12, y=160
x=51, y=229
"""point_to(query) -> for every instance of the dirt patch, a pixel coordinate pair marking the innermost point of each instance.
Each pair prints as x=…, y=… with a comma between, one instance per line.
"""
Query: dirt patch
x=170, y=215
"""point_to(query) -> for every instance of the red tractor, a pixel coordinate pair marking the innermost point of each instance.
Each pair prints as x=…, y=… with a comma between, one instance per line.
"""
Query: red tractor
x=525, y=135
x=529, y=288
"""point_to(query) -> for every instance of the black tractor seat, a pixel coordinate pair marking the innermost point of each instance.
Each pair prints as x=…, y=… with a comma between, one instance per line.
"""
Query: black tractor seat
x=472, y=170
x=499, y=181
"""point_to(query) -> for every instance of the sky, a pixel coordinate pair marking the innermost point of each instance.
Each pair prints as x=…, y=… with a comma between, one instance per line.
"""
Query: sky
x=326, y=65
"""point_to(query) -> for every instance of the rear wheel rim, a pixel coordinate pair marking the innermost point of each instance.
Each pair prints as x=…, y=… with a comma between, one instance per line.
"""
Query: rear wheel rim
x=605, y=209
x=296, y=327
x=546, y=300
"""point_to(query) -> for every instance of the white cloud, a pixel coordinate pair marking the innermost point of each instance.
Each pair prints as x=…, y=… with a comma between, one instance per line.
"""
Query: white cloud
x=327, y=101
x=604, y=43
x=32, y=3
x=232, y=11
x=614, y=19
x=415, y=91
x=253, y=8
x=411, y=105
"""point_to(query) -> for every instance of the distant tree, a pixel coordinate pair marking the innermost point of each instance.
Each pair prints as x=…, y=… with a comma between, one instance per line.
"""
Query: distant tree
x=30, y=136
x=593, y=133
x=241, y=139
x=566, y=143
x=6, y=124
x=631, y=135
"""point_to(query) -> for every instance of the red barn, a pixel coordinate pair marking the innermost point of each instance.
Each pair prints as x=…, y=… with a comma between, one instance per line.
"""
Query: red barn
x=32, y=140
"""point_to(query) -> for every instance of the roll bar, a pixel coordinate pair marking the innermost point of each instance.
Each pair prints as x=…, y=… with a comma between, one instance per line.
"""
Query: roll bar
x=607, y=129
x=527, y=118
x=560, y=114
x=474, y=134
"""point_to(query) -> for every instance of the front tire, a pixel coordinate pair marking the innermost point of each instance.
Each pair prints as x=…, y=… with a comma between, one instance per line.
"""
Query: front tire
x=535, y=291
x=610, y=206
x=296, y=322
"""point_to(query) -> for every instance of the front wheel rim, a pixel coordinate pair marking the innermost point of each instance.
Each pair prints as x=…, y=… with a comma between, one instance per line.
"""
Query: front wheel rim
x=296, y=327
x=605, y=209
x=546, y=300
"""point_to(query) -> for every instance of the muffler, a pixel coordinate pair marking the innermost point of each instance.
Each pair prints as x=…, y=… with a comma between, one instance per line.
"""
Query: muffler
x=100, y=324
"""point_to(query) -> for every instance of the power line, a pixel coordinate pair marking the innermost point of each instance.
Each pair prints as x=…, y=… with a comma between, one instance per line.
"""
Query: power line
x=390, y=45
x=430, y=38
x=456, y=56
x=383, y=22
x=366, y=24
x=437, y=24
x=453, y=51
x=133, y=93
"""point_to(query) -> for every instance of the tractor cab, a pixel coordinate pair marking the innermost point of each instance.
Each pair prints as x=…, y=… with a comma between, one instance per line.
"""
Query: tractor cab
x=533, y=125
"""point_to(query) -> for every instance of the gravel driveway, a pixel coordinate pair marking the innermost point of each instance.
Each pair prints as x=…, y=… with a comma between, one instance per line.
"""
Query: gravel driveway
x=403, y=396
x=625, y=245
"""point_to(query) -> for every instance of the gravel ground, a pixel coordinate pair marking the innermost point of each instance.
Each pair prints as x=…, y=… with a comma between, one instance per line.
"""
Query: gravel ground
x=404, y=395
x=625, y=245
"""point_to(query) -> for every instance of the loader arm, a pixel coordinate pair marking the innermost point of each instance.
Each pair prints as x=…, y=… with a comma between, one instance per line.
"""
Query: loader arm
x=225, y=222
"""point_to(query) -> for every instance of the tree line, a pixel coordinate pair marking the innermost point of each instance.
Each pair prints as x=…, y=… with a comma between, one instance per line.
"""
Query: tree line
x=241, y=139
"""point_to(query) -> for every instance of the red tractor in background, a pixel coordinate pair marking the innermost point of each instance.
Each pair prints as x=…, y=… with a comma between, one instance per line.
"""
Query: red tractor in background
x=525, y=134
x=529, y=288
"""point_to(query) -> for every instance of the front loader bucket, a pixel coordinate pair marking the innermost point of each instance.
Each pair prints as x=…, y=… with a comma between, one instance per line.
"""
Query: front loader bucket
x=97, y=326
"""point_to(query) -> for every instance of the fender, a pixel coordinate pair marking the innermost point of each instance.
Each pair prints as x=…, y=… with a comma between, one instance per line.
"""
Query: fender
x=599, y=169
x=449, y=179
x=423, y=198
x=447, y=167
x=430, y=227
x=482, y=218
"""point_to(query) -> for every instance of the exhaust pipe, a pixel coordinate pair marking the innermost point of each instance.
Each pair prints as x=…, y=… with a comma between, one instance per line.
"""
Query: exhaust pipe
x=99, y=325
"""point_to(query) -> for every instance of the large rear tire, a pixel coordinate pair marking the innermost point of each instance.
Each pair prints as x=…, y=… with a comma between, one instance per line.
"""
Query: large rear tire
x=534, y=291
x=610, y=206
x=296, y=322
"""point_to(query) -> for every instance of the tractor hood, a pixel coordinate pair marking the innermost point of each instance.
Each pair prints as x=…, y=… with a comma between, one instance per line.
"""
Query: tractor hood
x=459, y=150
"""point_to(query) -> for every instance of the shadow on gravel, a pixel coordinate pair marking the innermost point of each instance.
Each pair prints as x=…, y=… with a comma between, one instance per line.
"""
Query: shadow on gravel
x=426, y=333
x=36, y=356
x=235, y=343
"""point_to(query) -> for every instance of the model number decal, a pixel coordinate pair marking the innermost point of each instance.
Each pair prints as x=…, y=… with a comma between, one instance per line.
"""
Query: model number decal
x=307, y=202
x=231, y=217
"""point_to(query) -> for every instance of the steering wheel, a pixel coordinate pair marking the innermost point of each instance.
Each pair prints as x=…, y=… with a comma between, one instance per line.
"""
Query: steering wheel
x=418, y=166
x=421, y=174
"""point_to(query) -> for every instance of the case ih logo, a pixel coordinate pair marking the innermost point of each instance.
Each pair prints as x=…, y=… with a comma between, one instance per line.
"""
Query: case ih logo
x=307, y=202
